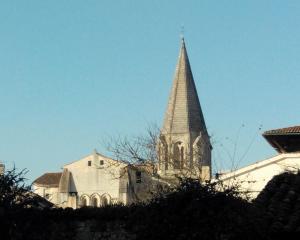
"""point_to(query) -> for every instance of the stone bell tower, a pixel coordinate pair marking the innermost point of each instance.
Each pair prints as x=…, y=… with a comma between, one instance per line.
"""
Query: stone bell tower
x=184, y=147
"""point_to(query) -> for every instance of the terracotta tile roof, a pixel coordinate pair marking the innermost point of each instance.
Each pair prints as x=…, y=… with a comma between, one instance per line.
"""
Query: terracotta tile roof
x=49, y=179
x=283, y=131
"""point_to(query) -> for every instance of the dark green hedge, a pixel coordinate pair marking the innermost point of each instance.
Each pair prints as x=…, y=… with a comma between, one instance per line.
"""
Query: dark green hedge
x=192, y=211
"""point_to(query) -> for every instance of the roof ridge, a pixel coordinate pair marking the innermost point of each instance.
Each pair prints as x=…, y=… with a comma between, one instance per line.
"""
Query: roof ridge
x=294, y=129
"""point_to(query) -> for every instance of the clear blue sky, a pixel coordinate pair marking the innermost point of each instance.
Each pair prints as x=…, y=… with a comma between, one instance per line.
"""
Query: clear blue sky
x=73, y=72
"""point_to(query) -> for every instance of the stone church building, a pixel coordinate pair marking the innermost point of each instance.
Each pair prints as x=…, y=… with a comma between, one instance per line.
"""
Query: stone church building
x=183, y=149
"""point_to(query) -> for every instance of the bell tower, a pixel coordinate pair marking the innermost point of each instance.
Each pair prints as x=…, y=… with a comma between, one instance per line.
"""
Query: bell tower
x=184, y=147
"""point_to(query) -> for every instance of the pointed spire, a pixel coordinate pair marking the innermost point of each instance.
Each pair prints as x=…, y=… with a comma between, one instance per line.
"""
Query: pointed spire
x=183, y=113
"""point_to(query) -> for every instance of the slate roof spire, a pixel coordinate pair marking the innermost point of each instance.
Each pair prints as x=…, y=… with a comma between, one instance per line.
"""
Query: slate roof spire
x=184, y=114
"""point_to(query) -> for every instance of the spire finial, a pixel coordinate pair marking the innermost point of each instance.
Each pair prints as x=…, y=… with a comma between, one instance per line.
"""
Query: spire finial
x=182, y=33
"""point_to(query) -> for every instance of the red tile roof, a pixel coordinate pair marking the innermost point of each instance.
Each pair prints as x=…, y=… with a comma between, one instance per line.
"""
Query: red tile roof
x=283, y=131
x=49, y=179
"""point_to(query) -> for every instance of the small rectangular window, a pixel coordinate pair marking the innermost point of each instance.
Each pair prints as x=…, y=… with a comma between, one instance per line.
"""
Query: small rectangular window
x=89, y=163
x=138, y=176
x=101, y=162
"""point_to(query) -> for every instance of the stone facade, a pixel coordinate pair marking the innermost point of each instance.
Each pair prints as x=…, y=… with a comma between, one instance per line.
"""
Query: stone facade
x=47, y=186
x=184, y=145
x=96, y=180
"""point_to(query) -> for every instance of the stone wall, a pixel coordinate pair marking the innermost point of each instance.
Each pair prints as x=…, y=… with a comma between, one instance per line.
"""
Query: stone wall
x=57, y=224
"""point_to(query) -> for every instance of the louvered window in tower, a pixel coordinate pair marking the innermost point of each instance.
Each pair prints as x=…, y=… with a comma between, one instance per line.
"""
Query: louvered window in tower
x=181, y=157
x=138, y=176
x=176, y=156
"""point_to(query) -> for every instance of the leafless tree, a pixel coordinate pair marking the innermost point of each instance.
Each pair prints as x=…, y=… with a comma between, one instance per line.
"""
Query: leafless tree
x=139, y=149
x=145, y=150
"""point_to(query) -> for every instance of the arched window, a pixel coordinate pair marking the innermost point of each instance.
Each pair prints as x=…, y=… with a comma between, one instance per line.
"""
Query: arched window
x=176, y=156
x=181, y=157
x=104, y=201
x=95, y=202
x=198, y=151
x=84, y=201
x=166, y=159
x=163, y=153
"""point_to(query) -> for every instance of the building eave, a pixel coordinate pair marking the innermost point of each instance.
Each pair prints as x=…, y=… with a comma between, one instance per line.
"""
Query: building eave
x=257, y=165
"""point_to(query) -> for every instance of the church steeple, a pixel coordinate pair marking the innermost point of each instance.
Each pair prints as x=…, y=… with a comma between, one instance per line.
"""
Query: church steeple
x=183, y=113
x=184, y=144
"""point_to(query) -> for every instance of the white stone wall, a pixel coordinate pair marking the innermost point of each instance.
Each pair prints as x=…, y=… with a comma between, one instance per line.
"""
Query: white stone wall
x=96, y=181
x=142, y=189
x=49, y=193
x=254, y=177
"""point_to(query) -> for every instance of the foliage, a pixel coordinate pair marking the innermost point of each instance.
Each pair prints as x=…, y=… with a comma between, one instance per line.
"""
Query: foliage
x=193, y=210
x=196, y=211
x=13, y=190
x=190, y=211
x=280, y=202
x=15, y=195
